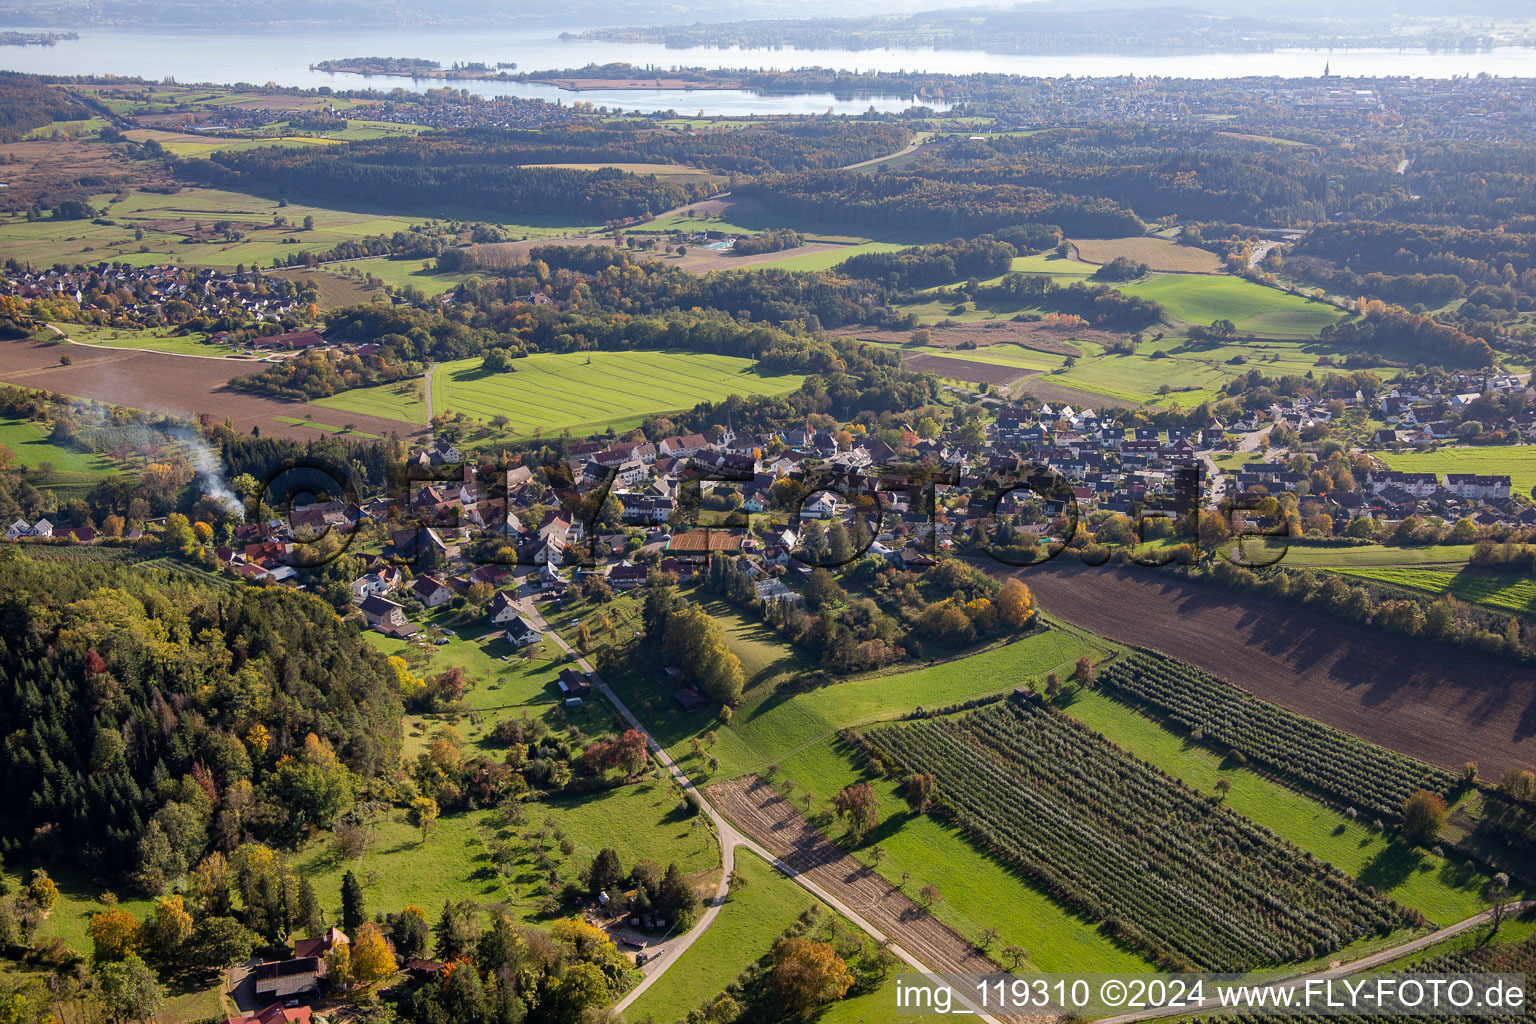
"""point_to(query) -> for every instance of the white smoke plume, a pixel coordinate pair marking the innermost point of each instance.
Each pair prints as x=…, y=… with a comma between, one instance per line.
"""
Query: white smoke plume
x=210, y=472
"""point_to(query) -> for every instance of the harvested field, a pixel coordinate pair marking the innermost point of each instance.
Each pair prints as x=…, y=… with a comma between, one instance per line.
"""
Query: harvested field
x=965, y=369
x=336, y=290
x=165, y=383
x=1047, y=390
x=1157, y=253
x=1036, y=336
x=1424, y=699
x=754, y=806
x=49, y=170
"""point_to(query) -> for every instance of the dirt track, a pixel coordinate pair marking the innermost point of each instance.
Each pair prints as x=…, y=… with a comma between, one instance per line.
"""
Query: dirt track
x=1425, y=699
x=759, y=811
x=168, y=383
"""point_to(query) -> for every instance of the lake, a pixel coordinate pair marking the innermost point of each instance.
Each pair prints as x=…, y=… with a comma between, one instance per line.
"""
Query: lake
x=284, y=57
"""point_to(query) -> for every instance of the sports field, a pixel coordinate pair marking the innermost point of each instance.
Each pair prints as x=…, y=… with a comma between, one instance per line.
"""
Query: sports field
x=1518, y=462
x=1253, y=308
x=587, y=390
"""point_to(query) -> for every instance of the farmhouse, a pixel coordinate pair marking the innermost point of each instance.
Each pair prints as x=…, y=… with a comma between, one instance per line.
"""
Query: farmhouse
x=298, y=978
x=290, y=342
x=572, y=683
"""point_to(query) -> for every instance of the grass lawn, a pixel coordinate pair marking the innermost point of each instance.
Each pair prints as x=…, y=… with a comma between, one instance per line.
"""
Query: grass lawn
x=584, y=391
x=1444, y=891
x=30, y=442
x=326, y=428
x=1059, y=268
x=1502, y=593
x=400, y=273
x=1375, y=555
x=453, y=863
x=159, y=339
x=399, y=401
x=768, y=726
x=754, y=916
x=1193, y=372
x=1251, y=307
x=825, y=258
x=1518, y=462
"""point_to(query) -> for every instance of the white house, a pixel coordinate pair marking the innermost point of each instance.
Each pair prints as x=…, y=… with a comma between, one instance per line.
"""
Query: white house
x=431, y=591
x=1474, y=485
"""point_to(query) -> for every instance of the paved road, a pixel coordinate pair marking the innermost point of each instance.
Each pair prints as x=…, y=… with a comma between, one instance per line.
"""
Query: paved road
x=1257, y=256
x=62, y=336
x=730, y=840
x=1396, y=952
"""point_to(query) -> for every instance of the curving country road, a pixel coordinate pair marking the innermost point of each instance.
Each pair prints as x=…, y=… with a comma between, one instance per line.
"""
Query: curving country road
x=730, y=840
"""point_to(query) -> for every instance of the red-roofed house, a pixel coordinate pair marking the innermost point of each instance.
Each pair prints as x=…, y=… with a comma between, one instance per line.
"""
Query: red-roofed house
x=274, y=1014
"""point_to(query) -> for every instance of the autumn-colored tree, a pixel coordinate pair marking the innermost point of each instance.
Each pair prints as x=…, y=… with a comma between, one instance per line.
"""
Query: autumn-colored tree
x=424, y=813
x=372, y=959
x=858, y=805
x=42, y=890
x=808, y=974
x=338, y=966
x=586, y=941
x=929, y=894
x=1015, y=604
x=168, y=930
x=1423, y=816
x=114, y=934
x=981, y=612
x=921, y=789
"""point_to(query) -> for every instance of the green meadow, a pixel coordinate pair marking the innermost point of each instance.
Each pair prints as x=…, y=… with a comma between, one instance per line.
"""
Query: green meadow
x=403, y=273
x=1253, y=308
x=1374, y=555
x=32, y=446
x=755, y=915
x=1501, y=593
x=1518, y=462
x=402, y=401
x=585, y=391
x=157, y=339
x=167, y=221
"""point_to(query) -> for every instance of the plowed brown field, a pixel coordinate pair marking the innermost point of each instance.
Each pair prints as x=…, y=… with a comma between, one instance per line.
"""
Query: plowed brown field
x=1419, y=697
x=166, y=383
x=759, y=811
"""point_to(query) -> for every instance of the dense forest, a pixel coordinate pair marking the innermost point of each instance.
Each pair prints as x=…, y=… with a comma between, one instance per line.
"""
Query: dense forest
x=935, y=201
x=802, y=145
x=453, y=170
x=151, y=718
x=26, y=103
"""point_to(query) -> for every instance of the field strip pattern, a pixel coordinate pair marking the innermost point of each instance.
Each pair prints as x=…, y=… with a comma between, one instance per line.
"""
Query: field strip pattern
x=564, y=390
x=760, y=812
